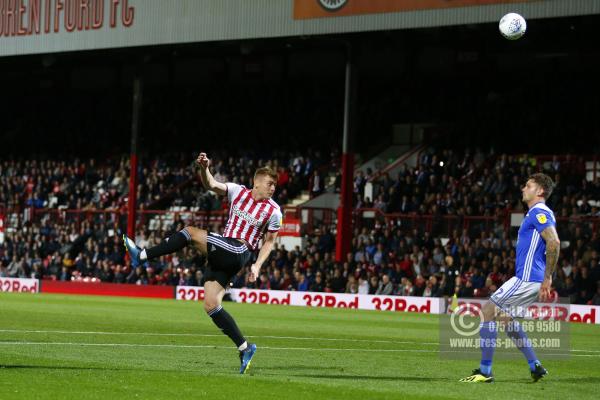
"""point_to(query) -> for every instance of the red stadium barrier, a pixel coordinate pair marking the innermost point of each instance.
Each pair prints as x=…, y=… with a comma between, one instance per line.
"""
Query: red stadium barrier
x=108, y=289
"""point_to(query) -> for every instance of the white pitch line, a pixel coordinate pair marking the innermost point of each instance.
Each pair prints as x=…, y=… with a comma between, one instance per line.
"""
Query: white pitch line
x=587, y=351
x=107, y=333
x=215, y=335
x=220, y=335
x=183, y=346
x=193, y=346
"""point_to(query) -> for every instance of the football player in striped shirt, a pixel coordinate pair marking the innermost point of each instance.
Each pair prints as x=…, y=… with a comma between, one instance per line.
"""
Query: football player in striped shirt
x=253, y=216
x=538, y=247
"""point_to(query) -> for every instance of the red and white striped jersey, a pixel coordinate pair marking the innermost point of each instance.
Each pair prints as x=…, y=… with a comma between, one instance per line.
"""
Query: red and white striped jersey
x=248, y=218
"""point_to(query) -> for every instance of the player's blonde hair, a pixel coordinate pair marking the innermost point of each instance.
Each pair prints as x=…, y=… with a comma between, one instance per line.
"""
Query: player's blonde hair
x=268, y=171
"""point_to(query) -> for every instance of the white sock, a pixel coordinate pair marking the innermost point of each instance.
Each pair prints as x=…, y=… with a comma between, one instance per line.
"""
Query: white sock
x=143, y=255
x=243, y=346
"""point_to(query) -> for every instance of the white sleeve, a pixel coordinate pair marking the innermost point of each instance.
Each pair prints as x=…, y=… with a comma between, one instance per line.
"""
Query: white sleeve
x=233, y=189
x=275, y=221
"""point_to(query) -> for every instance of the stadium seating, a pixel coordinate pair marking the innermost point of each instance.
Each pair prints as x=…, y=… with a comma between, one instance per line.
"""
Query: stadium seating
x=404, y=250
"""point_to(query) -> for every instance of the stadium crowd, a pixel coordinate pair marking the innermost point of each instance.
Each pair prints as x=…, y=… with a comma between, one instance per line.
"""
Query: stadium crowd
x=388, y=258
x=478, y=183
x=169, y=180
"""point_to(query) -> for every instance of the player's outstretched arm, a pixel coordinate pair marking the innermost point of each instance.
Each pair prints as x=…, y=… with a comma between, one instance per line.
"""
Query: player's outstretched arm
x=208, y=180
x=552, y=251
x=263, y=254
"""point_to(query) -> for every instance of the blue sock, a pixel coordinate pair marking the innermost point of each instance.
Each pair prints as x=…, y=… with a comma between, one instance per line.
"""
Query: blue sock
x=485, y=366
x=488, y=334
x=532, y=364
x=519, y=337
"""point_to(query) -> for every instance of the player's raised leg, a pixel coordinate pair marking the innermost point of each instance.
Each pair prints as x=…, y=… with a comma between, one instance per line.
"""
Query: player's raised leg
x=173, y=243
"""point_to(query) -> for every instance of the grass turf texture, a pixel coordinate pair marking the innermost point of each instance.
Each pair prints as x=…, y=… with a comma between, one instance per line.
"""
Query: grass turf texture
x=79, y=347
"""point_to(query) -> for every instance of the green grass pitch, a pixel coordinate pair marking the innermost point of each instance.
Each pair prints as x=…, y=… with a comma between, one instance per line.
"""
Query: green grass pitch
x=80, y=347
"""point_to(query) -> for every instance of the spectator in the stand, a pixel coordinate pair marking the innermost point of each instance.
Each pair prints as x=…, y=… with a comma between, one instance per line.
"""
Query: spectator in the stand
x=352, y=285
x=13, y=268
x=326, y=242
x=405, y=266
x=363, y=285
x=338, y=282
x=419, y=285
x=432, y=288
x=359, y=184
x=385, y=286
x=596, y=299
x=107, y=274
x=477, y=280
x=263, y=282
x=135, y=276
x=373, y=284
x=380, y=204
x=302, y=283
x=318, y=285
x=288, y=282
x=379, y=256
x=466, y=290
x=406, y=206
x=316, y=184
x=283, y=177
x=120, y=274
x=407, y=289
x=276, y=280
x=65, y=274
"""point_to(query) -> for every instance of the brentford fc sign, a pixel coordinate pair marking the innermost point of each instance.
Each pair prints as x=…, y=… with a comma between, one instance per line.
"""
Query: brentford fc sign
x=39, y=17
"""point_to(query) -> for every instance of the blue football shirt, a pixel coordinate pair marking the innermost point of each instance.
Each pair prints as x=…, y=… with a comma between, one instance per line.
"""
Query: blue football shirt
x=531, y=247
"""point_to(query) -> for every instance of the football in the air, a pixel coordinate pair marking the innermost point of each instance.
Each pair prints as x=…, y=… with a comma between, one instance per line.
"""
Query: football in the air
x=512, y=26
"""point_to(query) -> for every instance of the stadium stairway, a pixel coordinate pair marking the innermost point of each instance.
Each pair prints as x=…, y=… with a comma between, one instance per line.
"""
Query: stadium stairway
x=387, y=161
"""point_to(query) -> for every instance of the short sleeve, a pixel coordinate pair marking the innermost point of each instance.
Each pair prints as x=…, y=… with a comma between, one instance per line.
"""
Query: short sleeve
x=275, y=221
x=233, y=189
x=542, y=219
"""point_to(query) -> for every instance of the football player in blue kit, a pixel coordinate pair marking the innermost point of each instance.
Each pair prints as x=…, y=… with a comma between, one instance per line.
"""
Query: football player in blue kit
x=538, y=247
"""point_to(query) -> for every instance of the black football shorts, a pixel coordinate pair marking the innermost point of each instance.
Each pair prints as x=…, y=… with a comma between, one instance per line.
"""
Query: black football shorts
x=226, y=256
